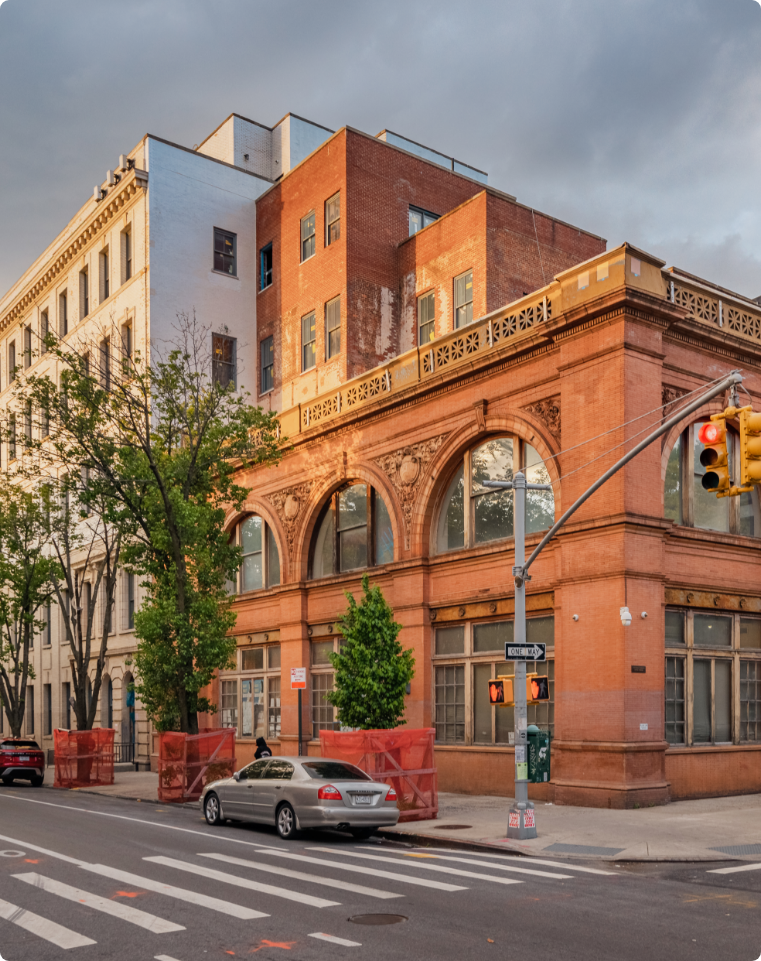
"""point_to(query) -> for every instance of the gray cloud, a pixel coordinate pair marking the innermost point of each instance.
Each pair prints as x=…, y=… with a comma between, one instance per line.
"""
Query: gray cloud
x=639, y=120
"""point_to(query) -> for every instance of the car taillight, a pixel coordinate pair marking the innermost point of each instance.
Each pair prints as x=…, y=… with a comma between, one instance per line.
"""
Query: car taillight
x=391, y=796
x=329, y=793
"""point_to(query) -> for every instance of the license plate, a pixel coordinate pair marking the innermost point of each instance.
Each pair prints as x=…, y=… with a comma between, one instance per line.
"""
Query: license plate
x=24, y=758
x=363, y=799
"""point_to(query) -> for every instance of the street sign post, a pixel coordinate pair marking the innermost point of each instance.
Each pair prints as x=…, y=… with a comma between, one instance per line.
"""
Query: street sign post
x=525, y=652
x=299, y=683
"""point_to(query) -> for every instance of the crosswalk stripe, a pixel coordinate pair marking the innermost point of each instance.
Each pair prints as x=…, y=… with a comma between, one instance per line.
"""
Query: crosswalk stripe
x=360, y=869
x=741, y=867
x=179, y=894
x=335, y=940
x=117, y=910
x=525, y=860
x=302, y=876
x=205, y=872
x=499, y=867
x=163, y=957
x=55, y=933
x=425, y=867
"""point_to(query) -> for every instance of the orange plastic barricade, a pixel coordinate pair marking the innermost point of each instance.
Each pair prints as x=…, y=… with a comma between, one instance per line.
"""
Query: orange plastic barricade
x=84, y=758
x=188, y=762
x=404, y=758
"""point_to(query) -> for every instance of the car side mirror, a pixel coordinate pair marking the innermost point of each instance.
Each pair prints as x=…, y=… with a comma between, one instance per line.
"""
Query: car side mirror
x=236, y=776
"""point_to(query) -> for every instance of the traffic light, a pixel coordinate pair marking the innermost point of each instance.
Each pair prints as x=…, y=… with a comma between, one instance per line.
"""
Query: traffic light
x=713, y=457
x=501, y=691
x=537, y=688
x=750, y=447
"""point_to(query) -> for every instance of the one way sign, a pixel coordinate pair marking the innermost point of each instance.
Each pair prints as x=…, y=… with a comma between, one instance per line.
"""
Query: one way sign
x=525, y=652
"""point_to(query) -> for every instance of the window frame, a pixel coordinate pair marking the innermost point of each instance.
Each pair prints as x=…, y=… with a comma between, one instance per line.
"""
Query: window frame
x=333, y=343
x=264, y=274
x=322, y=716
x=126, y=254
x=333, y=220
x=271, y=676
x=464, y=304
x=219, y=367
x=469, y=659
x=224, y=235
x=332, y=506
x=84, y=293
x=427, y=297
x=310, y=345
x=266, y=371
x=104, y=276
x=268, y=538
x=427, y=218
x=63, y=313
x=308, y=242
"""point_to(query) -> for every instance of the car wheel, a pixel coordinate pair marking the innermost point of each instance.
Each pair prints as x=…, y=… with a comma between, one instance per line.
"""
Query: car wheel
x=7, y=781
x=211, y=809
x=362, y=834
x=37, y=781
x=286, y=822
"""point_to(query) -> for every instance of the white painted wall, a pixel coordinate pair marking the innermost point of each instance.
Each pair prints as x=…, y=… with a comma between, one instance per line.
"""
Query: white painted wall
x=188, y=195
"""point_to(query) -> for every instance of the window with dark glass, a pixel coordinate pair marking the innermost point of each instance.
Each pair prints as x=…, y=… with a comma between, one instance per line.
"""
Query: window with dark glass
x=686, y=502
x=307, y=236
x=11, y=361
x=84, y=294
x=126, y=245
x=267, y=353
x=332, y=219
x=104, y=275
x=63, y=316
x=223, y=349
x=426, y=318
x=27, y=346
x=130, y=601
x=265, y=267
x=105, y=363
x=308, y=342
x=44, y=331
x=260, y=566
x=333, y=327
x=472, y=513
x=11, y=437
x=463, y=299
x=354, y=532
x=419, y=218
x=225, y=251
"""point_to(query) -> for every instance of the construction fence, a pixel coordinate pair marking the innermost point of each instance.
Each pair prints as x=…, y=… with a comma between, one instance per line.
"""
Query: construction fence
x=402, y=758
x=187, y=762
x=84, y=758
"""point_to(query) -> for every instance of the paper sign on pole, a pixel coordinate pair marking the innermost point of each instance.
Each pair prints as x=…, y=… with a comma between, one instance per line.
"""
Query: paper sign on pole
x=298, y=678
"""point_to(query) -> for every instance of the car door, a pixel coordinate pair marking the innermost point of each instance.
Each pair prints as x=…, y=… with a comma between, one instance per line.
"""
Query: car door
x=269, y=789
x=238, y=796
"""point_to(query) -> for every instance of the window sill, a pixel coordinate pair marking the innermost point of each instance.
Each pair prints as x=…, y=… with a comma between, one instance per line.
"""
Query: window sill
x=223, y=273
x=307, y=259
x=263, y=289
x=473, y=748
x=266, y=393
x=712, y=748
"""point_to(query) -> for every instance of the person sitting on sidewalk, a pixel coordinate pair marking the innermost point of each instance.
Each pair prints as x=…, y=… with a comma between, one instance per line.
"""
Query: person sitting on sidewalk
x=261, y=749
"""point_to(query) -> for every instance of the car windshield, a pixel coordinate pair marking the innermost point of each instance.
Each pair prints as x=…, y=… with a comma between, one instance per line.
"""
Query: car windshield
x=19, y=745
x=334, y=771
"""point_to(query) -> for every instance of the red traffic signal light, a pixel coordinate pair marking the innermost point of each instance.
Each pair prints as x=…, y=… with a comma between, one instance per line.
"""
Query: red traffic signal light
x=713, y=457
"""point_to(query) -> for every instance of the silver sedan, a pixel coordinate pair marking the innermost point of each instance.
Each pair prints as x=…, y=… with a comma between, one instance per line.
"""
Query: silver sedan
x=300, y=792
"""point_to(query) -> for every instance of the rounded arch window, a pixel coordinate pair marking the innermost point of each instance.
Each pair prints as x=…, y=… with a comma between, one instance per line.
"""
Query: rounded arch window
x=472, y=513
x=686, y=502
x=354, y=532
x=260, y=563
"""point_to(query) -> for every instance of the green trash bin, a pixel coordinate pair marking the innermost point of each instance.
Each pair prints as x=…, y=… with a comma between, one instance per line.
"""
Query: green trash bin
x=538, y=755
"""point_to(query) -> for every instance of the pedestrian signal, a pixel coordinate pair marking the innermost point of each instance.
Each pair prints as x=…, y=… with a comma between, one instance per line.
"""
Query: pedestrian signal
x=501, y=691
x=713, y=457
x=537, y=688
x=750, y=447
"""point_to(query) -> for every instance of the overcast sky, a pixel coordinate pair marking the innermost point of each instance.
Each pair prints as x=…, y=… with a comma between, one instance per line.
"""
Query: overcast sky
x=639, y=120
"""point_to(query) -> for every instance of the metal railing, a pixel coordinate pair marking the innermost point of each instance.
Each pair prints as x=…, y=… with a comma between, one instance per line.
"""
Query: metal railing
x=124, y=752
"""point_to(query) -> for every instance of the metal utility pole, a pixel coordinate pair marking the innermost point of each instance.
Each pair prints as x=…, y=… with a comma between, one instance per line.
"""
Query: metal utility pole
x=521, y=820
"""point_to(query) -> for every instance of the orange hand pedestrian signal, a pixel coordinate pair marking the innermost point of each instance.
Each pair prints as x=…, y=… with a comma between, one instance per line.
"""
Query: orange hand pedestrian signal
x=538, y=688
x=497, y=691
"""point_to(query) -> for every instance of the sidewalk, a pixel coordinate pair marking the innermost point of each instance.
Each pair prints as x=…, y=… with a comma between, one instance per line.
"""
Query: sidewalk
x=680, y=831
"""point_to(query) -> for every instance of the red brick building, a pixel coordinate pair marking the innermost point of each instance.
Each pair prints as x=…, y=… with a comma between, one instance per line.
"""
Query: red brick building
x=419, y=332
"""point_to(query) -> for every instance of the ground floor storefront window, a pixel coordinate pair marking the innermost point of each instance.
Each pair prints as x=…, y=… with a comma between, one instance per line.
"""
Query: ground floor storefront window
x=250, y=700
x=465, y=657
x=712, y=678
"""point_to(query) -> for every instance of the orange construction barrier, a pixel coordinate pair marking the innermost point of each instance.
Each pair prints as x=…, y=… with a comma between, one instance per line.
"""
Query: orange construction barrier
x=188, y=762
x=403, y=758
x=84, y=758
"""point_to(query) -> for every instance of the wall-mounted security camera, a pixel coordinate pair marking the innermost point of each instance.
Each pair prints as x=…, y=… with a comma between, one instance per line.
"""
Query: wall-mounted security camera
x=575, y=617
x=643, y=615
x=626, y=616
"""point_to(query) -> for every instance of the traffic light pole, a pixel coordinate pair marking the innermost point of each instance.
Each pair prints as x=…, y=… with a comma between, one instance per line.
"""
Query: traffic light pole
x=521, y=819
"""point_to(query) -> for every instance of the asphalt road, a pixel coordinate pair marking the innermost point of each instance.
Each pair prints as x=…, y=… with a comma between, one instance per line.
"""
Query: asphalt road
x=88, y=877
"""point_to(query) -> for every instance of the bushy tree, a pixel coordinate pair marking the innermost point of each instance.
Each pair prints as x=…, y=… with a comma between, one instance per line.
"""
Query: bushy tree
x=371, y=669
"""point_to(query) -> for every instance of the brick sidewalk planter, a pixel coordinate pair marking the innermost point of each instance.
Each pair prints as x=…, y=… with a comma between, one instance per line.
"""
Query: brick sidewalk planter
x=403, y=758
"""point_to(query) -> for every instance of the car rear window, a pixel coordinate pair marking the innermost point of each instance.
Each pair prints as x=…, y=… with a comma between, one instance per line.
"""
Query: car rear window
x=334, y=771
x=19, y=745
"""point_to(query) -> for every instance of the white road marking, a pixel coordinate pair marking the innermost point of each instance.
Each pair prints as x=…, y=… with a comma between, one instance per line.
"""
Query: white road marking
x=360, y=869
x=425, y=867
x=35, y=847
x=205, y=872
x=163, y=957
x=742, y=867
x=302, y=876
x=179, y=894
x=488, y=864
x=334, y=940
x=55, y=933
x=115, y=908
x=523, y=860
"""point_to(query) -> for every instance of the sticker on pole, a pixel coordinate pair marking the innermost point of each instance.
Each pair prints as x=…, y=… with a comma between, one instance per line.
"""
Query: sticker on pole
x=298, y=678
x=528, y=818
x=514, y=819
x=525, y=652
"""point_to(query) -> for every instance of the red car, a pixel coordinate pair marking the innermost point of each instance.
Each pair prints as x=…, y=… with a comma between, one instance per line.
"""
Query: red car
x=21, y=758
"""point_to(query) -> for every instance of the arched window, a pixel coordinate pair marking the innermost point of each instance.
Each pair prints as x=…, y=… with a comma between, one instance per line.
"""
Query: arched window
x=354, y=532
x=686, y=502
x=473, y=514
x=260, y=566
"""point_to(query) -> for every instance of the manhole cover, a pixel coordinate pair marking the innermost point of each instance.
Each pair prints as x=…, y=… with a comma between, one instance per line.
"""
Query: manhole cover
x=378, y=918
x=452, y=827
